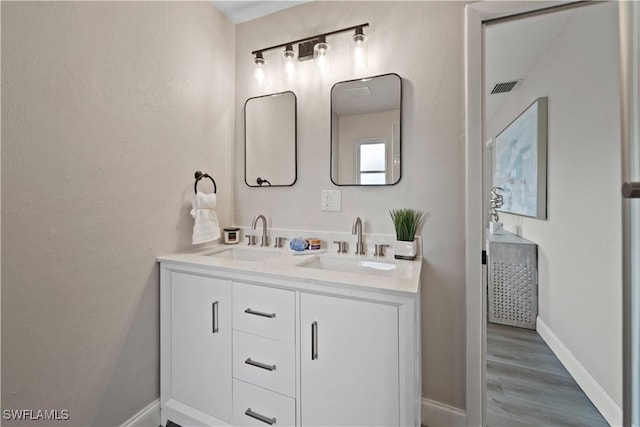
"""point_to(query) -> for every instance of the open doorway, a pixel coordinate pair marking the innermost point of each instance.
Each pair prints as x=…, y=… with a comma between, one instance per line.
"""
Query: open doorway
x=569, y=57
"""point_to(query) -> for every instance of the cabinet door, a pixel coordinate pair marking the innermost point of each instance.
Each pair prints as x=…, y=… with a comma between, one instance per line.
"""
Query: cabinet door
x=349, y=362
x=201, y=343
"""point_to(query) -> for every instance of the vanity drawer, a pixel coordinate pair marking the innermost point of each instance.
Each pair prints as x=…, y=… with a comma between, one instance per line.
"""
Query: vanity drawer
x=264, y=362
x=263, y=311
x=255, y=406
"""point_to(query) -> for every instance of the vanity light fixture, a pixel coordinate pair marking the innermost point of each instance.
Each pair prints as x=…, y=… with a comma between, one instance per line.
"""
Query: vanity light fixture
x=289, y=63
x=259, y=73
x=359, y=54
x=315, y=47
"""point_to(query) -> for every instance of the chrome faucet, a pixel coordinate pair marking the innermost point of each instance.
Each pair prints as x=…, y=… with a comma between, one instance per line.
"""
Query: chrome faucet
x=357, y=230
x=265, y=238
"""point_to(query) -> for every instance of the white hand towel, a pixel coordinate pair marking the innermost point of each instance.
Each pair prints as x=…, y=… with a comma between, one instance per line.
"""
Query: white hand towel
x=206, y=227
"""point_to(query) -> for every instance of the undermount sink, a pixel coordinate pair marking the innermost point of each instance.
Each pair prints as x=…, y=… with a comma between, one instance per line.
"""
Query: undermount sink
x=352, y=265
x=243, y=254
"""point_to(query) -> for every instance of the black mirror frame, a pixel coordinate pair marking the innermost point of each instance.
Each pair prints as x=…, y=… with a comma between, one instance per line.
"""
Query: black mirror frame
x=260, y=181
x=331, y=133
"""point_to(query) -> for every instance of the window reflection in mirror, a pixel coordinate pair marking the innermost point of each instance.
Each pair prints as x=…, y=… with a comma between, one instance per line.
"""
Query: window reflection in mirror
x=270, y=140
x=366, y=131
x=372, y=162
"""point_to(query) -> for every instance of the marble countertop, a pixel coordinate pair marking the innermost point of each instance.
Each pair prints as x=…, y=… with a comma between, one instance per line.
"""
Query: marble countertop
x=281, y=263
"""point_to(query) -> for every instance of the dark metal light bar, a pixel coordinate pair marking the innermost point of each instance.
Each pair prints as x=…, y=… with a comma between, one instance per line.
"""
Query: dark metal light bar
x=342, y=30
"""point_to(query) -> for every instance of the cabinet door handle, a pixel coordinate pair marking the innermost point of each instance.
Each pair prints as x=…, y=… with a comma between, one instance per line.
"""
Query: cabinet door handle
x=260, y=364
x=214, y=317
x=260, y=417
x=260, y=313
x=314, y=340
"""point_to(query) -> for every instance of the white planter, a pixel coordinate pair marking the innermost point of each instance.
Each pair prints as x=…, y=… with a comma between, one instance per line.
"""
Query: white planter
x=405, y=250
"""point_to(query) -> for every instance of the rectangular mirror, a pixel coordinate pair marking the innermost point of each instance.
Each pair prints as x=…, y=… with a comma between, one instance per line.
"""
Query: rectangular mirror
x=270, y=140
x=366, y=117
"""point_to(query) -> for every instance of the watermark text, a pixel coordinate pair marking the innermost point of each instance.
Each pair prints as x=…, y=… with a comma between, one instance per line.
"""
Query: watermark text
x=35, y=414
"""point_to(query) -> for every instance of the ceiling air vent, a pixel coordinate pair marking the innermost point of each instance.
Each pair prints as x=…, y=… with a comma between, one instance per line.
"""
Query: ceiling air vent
x=360, y=91
x=504, y=87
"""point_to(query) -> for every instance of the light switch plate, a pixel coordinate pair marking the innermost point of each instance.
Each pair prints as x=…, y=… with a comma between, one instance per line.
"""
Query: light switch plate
x=331, y=200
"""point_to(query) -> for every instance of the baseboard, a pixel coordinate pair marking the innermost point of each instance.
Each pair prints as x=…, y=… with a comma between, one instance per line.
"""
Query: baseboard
x=149, y=416
x=610, y=410
x=436, y=414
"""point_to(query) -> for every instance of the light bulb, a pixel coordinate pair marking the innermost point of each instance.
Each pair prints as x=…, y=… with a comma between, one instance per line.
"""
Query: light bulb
x=321, y=56
x=359, y=54
x=289, y=61
x=259, y=72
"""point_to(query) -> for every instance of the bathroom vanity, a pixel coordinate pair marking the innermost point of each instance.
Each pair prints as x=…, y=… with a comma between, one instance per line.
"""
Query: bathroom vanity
x=255, y=337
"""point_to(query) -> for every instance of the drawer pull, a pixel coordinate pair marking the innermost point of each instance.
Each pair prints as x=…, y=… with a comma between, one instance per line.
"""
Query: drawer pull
x=260, y=364
x=259, y=313
x=214, y=317
x=260, y=417
x=314, y=340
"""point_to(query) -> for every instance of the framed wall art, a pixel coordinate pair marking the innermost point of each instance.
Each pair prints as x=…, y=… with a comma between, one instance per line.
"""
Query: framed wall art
x=520, y=162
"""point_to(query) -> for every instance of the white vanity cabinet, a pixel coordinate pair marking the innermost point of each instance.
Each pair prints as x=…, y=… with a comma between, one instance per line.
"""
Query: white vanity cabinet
x=247, y=348
x=196, y=348
x=349, y=362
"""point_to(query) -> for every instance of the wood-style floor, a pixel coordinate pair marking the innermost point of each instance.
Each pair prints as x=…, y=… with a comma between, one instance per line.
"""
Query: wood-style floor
x=528, y=386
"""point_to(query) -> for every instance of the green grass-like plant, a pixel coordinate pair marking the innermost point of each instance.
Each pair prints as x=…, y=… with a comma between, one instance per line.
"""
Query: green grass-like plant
x=406, y=223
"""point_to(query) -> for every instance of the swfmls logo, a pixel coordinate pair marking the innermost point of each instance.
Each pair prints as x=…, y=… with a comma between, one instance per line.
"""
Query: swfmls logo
x=36, y=415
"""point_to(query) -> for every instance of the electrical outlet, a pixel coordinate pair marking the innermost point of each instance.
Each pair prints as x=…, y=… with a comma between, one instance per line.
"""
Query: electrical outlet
x=331, y=200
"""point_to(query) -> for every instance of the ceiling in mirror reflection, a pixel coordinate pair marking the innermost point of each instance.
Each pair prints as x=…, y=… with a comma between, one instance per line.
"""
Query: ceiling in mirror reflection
x=365, y=96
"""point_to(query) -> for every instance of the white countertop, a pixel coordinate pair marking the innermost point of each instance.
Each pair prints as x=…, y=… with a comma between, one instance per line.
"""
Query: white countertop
x=404, y=279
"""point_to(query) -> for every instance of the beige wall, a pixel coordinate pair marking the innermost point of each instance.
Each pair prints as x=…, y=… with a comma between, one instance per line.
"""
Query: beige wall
x=580, y=243
x=108, y=109
x=422, y=42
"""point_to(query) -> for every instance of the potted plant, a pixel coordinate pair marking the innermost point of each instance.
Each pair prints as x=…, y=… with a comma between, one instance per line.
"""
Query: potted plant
x=406, y=223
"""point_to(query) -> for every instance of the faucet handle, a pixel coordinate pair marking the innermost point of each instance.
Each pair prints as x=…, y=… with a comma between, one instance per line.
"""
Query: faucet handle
x=252, y=239
x=342, y=246
x=380, y=249
x=278, y=242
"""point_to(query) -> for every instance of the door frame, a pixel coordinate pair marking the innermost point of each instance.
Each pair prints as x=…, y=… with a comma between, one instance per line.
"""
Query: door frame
x=475, y=15
x=629, y=13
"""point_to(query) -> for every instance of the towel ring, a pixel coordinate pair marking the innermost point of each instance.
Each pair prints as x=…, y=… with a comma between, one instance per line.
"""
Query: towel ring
x=199, y=175
x=261, y=181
